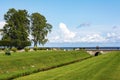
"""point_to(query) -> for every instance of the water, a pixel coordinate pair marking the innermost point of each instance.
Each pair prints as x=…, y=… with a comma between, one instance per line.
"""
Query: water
x=90, y=48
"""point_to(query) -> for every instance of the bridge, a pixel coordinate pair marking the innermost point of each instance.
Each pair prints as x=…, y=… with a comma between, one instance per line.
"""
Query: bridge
x=96, y=52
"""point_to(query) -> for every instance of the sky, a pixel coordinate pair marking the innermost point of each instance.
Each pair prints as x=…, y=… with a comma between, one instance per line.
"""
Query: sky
x=76, y=23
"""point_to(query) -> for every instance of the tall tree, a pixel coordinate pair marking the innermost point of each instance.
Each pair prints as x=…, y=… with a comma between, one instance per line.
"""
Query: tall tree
x=39, y=28
x=17, y=27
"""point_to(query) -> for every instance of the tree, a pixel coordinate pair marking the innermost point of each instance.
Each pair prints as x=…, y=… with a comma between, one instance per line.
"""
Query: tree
x=39, y=28
x=17, y=27
x=44, y=41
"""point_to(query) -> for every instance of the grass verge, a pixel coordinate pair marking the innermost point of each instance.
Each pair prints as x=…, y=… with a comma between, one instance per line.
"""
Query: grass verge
x=21, y=64
x=103, y=67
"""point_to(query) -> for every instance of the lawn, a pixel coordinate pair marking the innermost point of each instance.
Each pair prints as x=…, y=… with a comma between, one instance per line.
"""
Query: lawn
x=103, y=67
x=24, y=63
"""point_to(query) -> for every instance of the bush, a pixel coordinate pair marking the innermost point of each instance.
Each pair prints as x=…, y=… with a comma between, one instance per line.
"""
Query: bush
x=35, y=48
x=26, y=49
x=14, y=49
x=7, y=51
x=43, y=48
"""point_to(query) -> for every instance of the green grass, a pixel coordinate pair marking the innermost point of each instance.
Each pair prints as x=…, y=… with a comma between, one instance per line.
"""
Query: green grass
x=19, y=64
x=103, y=67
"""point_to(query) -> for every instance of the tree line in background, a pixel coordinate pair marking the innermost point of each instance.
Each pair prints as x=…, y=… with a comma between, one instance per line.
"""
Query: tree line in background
x=19, y=25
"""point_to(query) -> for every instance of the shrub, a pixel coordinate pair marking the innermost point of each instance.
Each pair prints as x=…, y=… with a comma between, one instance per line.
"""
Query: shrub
x=35, y=48
x=14, y=49
x=7, y=51
x=26, y=49
x=43, y=48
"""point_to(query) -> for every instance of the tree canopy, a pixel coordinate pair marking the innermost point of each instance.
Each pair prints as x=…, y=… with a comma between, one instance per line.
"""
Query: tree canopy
x=39, y=28
x=19, y=25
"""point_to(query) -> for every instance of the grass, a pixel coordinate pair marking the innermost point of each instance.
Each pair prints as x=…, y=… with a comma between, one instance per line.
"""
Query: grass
x=19, y=64
x=103, y=67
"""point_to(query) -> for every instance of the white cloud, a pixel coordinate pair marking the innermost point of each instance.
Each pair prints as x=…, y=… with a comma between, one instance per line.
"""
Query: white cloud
x=63, y=34
x=55, y=39
x=93, y=38
x=113, y=37
x=2, y=24
x=67, y=34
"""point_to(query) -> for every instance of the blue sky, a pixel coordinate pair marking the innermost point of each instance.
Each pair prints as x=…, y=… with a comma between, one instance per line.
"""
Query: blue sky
x=75, y=22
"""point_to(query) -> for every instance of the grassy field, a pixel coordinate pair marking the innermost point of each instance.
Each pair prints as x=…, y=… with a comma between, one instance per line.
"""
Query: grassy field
x=103, y=67
x=19, y=64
